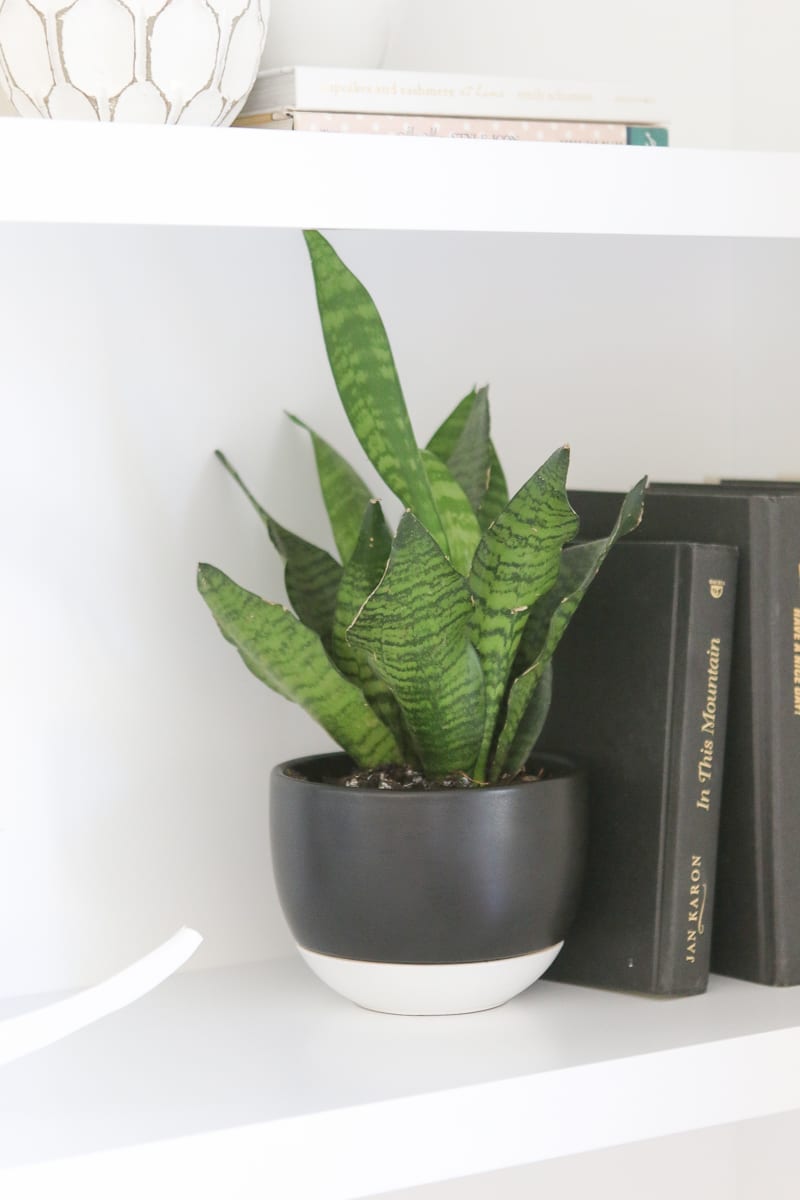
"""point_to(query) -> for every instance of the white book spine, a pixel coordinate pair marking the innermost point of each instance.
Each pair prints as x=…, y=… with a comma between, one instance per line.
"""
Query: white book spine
x=343, y=89
x=467, y=128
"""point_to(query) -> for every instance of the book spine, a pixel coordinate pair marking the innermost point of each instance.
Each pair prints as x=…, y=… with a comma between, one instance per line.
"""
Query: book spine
x=325, y=89
x=647, y=135
x=750, y=866
x=476, y=128
x=758, y=911
x=705, y=598
x=782, y=818
x=468, y=129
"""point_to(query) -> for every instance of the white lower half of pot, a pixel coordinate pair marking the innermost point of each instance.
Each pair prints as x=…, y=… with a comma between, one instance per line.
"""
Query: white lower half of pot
x=430, y=989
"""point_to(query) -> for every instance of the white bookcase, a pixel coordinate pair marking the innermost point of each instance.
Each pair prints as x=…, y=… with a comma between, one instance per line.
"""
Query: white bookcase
x=156, y=302
x=139, y=175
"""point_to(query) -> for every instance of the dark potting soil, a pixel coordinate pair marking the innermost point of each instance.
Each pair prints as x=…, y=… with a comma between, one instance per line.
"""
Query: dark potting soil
x=399, y=778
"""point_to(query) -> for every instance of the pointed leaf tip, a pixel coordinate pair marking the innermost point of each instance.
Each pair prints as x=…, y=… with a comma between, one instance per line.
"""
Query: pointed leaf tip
x=366, y=379
x=579, y=565
x=344, y=492
x=289, y=657
x=516, y=563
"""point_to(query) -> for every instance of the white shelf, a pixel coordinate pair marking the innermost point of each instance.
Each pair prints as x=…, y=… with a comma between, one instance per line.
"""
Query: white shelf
x=145, y=175
x=257, y=1081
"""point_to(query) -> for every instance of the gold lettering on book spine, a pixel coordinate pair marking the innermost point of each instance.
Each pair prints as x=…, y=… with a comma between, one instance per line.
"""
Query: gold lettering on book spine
x=698, y=894
x=708, y=724
x=796, y=653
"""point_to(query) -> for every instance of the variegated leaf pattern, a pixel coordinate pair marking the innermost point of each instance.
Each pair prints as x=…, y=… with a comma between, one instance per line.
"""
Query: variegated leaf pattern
x=407, y=652
x=290, y=658
x=462, y=442
x=548, y=620
x=461, y=529
x=469, y=460
x=312, y=576
x=366, y=378
x=508, y=761
x=362, y=575
x=414, y=627
x=345, y=494
x=496, y=497
x=515, y=564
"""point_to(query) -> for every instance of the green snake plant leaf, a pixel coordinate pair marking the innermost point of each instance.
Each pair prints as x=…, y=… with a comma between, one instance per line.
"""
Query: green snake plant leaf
x=366, y=378
x=462, y=443
x=548, y=619
x=444, y=441
x=415, y=629
x=290, y=658
x=530, y=727
x=459, y=522
x=344, y=492
x=470, y=458
x=362, y=575
x=496, y=493
x=312, y=576
x=516, y=563
x=312, y=579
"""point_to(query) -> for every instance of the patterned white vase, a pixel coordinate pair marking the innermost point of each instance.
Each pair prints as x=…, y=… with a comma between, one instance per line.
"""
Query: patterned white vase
x=189, y=62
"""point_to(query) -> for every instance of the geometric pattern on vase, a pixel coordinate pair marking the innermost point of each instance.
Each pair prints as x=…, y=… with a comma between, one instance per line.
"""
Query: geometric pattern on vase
x=189, y=62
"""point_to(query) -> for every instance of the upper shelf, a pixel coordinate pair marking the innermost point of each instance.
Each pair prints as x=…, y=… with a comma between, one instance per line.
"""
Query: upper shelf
x=151, y=175
x=256, y=1081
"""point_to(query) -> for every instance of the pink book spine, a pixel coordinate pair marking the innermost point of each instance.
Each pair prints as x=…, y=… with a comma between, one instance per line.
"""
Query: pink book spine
x=476, y=128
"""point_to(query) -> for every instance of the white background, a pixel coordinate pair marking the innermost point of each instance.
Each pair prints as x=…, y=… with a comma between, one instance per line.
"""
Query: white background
x=134, y=748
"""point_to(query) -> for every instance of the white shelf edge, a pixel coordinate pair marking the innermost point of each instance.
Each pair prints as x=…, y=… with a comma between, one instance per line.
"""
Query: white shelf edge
x=357, y=1152
x=245, y=1082
x=62, y=172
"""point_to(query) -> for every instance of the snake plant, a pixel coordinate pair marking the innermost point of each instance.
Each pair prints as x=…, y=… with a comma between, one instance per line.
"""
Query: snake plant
x=430, y=646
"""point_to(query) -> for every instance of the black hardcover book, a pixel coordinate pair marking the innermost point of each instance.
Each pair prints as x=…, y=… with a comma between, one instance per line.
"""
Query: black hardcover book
x=760, y=485
x=639, y=695
x=757, y=911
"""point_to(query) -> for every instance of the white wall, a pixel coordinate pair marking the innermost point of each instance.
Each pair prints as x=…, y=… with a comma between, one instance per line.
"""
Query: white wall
x=727, y=68
x=766, y=85
x=682, y=50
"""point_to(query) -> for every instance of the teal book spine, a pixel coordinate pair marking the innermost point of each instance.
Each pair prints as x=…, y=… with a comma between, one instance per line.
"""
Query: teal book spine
x=648, y=135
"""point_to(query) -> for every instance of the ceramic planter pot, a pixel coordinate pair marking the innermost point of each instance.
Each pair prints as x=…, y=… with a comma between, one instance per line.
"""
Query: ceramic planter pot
x=190, y=62
x=427, y=902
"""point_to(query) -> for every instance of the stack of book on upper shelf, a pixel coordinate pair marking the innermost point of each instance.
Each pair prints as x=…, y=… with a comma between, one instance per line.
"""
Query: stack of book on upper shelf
x=428, y=104
x=678, y=684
